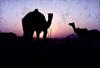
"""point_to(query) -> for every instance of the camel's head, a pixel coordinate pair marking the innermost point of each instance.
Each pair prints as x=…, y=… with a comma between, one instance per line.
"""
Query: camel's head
x=72, y=24
x=50, y=16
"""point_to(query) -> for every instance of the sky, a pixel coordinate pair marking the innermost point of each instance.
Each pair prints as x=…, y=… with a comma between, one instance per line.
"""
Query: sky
x=85, y=14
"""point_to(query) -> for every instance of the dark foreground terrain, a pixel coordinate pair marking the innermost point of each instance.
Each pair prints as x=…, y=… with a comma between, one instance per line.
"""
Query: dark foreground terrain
x=71, y=41
x=69, y=50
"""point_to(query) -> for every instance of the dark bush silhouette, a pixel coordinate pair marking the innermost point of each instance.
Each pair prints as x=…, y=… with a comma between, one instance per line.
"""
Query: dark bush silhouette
x=7, y=35
x=35, y=21
x=7, y=39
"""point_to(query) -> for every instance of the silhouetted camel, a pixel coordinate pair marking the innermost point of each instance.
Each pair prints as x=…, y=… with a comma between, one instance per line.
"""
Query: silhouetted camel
x=85, y=33
x=35, y=21
x=79, y=31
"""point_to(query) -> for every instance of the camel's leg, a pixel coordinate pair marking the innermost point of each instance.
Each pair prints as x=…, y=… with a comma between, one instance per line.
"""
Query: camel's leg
x=38, y=34
x=29, y=39
x=29, y=35
x=25, y=29
x=45, y=34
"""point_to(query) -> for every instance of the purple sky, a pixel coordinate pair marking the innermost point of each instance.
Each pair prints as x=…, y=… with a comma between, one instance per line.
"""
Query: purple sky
x=85, y=13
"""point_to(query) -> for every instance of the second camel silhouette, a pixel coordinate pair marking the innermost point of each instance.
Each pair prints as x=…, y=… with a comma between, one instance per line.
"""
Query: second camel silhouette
x=84, y=33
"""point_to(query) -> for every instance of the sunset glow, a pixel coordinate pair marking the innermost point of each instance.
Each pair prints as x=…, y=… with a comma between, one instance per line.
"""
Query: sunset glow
x=85, y=14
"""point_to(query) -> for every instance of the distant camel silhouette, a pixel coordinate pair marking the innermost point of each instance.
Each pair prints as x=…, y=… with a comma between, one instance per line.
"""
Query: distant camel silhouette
x=85, y=33
x=35, y=21
x=79, y=31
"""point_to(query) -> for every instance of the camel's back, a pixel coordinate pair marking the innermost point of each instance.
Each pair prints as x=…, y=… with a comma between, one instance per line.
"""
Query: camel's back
x=35, y=19
x=38, y=21
x=38, y=18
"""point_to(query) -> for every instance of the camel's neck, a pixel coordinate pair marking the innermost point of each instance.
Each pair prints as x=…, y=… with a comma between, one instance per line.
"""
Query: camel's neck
x=74, y=28
x=49, y=22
